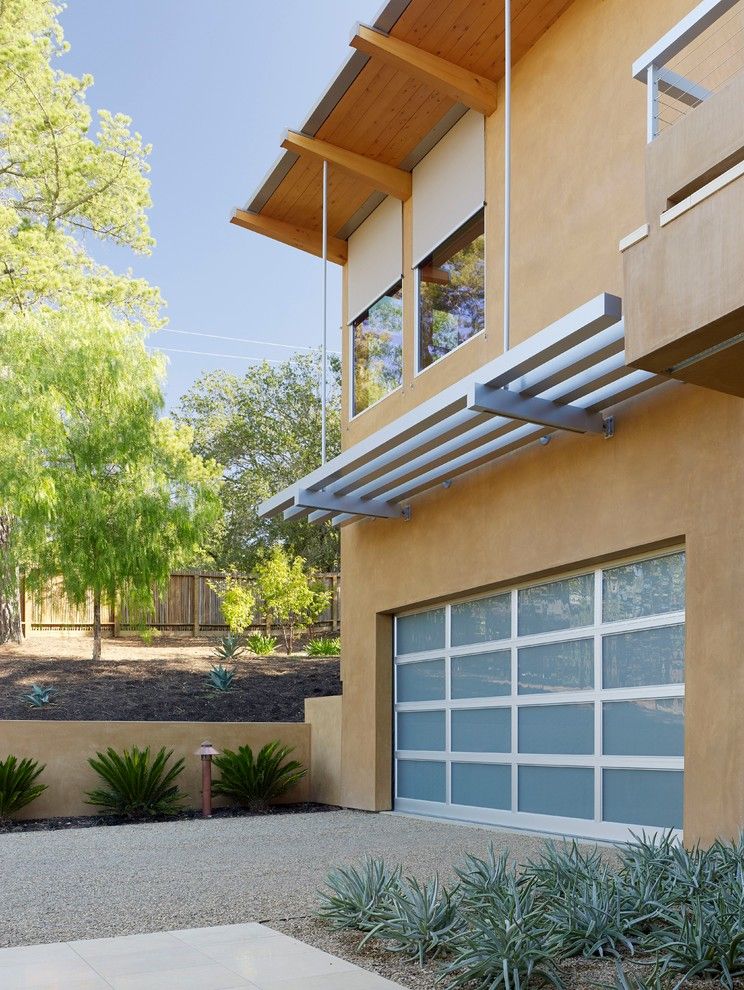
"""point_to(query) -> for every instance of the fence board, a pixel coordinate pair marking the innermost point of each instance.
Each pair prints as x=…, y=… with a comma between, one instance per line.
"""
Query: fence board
x=188, y=605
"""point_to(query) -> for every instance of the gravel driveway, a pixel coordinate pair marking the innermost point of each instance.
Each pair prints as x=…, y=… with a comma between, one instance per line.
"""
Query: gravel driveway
x=95, y=882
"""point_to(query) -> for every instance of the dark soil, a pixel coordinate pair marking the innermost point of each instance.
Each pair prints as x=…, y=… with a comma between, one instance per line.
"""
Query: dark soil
x=163, y=682
x=102, y=821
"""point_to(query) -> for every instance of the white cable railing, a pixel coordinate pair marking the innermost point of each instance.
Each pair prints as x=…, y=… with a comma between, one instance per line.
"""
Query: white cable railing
x=695, y=59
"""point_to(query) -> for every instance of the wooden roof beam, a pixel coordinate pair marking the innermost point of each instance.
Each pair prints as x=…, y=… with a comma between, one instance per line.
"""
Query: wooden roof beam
x=289, y=233
x=385, y=178
x=461, y=84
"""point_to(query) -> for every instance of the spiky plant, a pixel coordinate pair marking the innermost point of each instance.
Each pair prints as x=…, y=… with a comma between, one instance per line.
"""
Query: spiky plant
x=18, y=785
x=220, y=678
x=262, y=645
x=357, y=897
x=137, y=786
x=229, y=649
x=421, y=920
x=633, y=981
x=39, y=697
x=324, y=646
x=559, y=866
x=256, y=782
x=483, y=876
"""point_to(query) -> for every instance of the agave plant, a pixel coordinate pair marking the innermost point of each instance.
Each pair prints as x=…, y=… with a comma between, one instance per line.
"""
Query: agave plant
x=560, y=866
x=507, y=945
x=420, y=921
x=138, y=787
x=229, y=649
x=256, y=782
x=324, y=646
x=220, y=678
x=18, y=785
x=262, y=645
x=39, y=696
x=358, y=897
x=633, y=981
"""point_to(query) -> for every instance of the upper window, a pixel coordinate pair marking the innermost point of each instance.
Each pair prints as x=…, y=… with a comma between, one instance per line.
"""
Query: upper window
x=451, y=301
x=377, y=349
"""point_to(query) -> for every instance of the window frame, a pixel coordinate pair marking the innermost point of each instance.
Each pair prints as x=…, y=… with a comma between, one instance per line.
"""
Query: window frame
x=351, y=325
x=597, y=695
x=416, y=268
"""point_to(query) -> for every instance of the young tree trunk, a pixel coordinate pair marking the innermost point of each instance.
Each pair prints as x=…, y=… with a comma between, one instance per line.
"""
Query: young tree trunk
x=10, y=603
x=96, y=625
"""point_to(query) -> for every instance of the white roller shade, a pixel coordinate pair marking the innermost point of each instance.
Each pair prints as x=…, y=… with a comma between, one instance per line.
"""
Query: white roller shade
x=449, y=184
x=375, y=256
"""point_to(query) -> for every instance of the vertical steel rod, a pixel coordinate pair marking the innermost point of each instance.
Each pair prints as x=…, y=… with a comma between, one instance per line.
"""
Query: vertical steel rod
x=324, y=345
x=507, y=168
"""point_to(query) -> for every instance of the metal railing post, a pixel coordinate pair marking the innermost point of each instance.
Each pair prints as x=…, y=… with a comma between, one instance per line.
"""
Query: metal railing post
x=324, y=338
x=652, y=102
x=507, y=169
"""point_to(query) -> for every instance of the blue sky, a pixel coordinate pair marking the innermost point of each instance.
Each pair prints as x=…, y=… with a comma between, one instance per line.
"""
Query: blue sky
x=212, y=86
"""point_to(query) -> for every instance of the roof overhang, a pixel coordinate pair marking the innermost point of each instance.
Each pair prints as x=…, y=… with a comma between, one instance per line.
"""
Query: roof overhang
x=562, y=378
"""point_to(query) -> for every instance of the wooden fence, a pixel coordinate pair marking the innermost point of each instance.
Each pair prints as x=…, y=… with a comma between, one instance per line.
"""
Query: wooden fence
x=190, y=606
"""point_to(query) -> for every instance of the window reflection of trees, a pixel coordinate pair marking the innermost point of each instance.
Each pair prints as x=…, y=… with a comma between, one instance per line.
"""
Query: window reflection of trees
x=378, y=351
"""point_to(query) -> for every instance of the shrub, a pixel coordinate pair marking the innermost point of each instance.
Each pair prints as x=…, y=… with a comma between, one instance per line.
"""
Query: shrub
x=229, y=649
x=137, y=786
x=357, y=897
x=289, y=593
x=220, y=678
x=261, y=645
x=18, y=785
x=237, y=601
x=324, y=646
x=420, y=921
x=257, y=782
x=39, y=697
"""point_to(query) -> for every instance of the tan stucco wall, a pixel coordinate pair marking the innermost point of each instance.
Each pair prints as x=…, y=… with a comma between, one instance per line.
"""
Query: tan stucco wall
x=324, y=716
x=66, y=746
x=673, y=473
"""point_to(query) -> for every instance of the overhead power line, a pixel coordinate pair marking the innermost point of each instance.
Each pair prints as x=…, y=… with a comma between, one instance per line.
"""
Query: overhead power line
x=233, y=357
x=239, y=340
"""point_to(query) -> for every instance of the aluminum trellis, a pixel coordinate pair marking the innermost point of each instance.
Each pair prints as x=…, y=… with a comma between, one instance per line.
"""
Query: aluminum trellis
x=562, y=378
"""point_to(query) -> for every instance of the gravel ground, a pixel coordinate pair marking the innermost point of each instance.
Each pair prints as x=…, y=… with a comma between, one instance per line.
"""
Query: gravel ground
x=93, y=883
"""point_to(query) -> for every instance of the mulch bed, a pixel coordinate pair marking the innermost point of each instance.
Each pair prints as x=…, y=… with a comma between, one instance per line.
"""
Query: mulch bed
x=103, y=821
x=165, y=683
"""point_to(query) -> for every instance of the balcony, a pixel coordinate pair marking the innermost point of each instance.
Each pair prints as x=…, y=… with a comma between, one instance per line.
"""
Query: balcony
x=684, y=291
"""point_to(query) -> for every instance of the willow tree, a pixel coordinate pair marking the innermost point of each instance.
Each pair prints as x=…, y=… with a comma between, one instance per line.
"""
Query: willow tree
x=122, y=499
x=61, y=176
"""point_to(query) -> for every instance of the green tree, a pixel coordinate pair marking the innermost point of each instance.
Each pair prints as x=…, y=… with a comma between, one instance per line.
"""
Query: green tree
x=123, y=499
x=264, y=429
x=237, y=601
x=61, y=177
x=289, y=593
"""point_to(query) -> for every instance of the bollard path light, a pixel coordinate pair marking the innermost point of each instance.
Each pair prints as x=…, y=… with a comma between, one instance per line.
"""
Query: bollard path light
x=206, y=751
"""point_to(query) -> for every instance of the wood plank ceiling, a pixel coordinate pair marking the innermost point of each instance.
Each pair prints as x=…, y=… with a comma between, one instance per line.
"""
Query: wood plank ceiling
x=386, y=114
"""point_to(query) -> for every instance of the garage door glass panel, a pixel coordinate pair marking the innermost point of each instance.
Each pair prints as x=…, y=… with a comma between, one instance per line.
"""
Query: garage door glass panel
x=643, y=797
x=566, y=604
x=481, y=675
x=421, y=730
x=421, y=681
x=483, y=621
x=554, y=667
x=420, y=632
x=556, y=729
x=645, y=587
x=421, y=780
x=481, y=730
x=651, y=727
x=648, y=656
x=481, y=785
x=567, y=792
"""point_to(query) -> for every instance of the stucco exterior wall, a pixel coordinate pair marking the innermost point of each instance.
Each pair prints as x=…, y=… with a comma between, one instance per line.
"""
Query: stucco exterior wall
x=66, y=746
x=324, y=715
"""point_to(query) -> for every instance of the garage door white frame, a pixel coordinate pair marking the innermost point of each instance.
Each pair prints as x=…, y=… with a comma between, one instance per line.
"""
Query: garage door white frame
x=596, y=828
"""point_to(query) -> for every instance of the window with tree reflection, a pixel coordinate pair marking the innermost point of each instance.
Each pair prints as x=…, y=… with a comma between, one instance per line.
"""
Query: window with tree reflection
x=451, y=299
x=377, y=349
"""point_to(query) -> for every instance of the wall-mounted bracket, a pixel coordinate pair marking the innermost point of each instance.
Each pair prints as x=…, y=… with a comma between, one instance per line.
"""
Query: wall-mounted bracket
x=608, y=427
x=514, y=405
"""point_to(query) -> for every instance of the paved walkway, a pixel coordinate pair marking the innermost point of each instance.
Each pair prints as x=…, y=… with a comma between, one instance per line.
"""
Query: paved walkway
x=249, y=956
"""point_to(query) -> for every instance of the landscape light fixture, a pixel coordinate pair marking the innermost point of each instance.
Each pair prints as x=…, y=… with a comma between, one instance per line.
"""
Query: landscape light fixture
x=206, y=751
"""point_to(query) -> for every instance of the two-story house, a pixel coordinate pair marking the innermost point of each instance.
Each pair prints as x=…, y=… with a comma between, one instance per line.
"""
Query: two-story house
x=540, y=219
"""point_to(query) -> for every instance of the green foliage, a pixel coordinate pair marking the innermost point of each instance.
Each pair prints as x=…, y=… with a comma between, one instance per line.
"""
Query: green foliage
x=39, y=697
x=421, y=920
x=256, y=782
x=324, y=646
x=263, y=427
x=357, y=897
x=261, y=644
x=148, y=634
x=289, y=595
x=632, y=981
x=483, y=877
x=220, y=678
x=238, y=603
x=229, y=648
x=18, y=785
x=137, y=787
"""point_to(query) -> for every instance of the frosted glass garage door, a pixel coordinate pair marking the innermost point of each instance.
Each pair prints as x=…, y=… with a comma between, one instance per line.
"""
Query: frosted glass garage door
x=556, y=706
